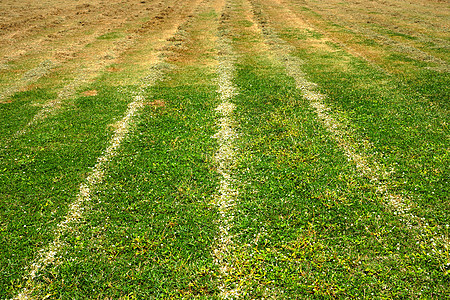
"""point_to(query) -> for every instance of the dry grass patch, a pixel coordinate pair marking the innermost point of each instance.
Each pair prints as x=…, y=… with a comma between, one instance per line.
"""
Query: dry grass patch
x=158, y=103
x=90, y=93
x=153, y=40
x=363, y=29
x=78, y=43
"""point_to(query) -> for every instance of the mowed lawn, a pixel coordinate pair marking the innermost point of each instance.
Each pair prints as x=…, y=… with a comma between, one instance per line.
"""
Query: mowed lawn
x=224, y=149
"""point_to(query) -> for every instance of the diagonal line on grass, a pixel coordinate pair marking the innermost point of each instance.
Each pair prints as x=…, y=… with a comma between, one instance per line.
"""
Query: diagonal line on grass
x=343, y=137
x=69, y=90
x=76, y=209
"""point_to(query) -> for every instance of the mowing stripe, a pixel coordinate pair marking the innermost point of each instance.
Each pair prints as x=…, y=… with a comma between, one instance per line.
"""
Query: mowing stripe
x=76, y=208
x=69, y=90
x=225, y=159
x=343, y=137
x=409, y=50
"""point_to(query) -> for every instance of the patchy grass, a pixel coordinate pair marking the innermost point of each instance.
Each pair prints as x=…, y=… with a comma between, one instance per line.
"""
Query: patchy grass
x=41, y=173
x=306, y=222
x=109, y=36
x=151, y=226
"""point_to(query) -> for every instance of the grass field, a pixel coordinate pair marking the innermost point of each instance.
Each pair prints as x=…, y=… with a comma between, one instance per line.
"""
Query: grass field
x=224, y=149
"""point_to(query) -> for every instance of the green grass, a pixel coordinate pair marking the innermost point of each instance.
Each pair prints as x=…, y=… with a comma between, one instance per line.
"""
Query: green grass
x=41, y=174
x=19, y=110
x=151, y=228
x=295, y=33
x=403, y=115
x=110, y=36
x=406, y=127
x=307, y=224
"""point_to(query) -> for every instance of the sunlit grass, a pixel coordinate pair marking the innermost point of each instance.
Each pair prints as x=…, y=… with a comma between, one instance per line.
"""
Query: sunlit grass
x=306, y=222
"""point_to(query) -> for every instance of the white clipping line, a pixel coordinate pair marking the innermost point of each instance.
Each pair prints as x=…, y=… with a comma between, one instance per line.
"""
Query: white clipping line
x=225, y=158
x=293, y=68
x=75, y=212
x=76, y=208
x=69, y=90
x=372, y=169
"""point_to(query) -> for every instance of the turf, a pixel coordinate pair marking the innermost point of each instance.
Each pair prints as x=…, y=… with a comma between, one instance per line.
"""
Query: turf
x=302, y=219
x=151, y=227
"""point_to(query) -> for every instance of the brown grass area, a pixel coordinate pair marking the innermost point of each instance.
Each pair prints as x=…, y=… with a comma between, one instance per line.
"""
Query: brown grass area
x=194, y=43
x=90, y=93
x=70, y=45
x=85, y=62
x=159, y=37
x=158, y=103
x=52, y=24
x=78, y=25
x=407, y=28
